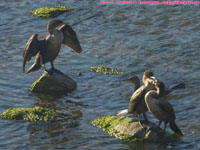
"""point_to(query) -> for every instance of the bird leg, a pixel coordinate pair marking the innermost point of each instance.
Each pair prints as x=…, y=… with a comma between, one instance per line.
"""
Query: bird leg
x=159, y=124
x=162, y=134
x=52, y=66
x=140, y=122
x=145, y=118
x=45, y=68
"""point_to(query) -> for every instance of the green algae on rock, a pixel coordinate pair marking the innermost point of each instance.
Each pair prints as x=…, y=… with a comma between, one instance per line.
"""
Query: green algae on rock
x=108, y=124
x=130, y=130
x=106, y=70
x=46, y=12
x=31, y=114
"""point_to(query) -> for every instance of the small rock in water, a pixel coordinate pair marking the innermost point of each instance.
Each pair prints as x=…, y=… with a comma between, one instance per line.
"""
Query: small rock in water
x=53, y=82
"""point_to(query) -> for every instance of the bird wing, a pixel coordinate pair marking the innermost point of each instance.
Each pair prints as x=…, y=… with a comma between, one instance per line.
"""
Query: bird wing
x=70, y=38
x=166, y=107
x=31, y=49
x=136, y=98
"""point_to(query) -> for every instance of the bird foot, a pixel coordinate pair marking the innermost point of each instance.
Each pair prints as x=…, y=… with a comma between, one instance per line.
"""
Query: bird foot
x=151, y=129
x=53, y=70
x=143, y=122
x=160, y=134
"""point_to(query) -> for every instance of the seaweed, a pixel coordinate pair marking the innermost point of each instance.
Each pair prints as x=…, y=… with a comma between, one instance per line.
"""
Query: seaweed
x=106, y=70
x=46, y=12
x=31, y=114
x=108, y=124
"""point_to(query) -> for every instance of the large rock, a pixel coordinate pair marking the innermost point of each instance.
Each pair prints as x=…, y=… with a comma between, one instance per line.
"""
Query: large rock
x=53, y=82
x=130, y=130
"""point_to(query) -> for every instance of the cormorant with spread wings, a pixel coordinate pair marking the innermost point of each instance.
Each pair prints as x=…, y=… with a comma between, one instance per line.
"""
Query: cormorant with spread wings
x=47, y=49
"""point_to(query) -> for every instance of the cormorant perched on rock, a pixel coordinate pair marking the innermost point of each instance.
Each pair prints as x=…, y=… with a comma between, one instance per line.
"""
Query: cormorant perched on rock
x=162, y=110
x=137, y=103
x=47, y=49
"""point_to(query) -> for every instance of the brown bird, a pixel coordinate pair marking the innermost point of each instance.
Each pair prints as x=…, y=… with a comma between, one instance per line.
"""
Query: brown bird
x=47, y=49
x=137, y=103
x=162, y=110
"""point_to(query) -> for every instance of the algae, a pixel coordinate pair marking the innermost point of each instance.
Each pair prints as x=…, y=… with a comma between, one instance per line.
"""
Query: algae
x=38, y=80
x=106, y=70
x=46, y=12
x=108, y=123
x=31, y=114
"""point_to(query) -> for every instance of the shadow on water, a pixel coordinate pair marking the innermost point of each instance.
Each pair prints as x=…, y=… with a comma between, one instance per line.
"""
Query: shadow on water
x=62, y=129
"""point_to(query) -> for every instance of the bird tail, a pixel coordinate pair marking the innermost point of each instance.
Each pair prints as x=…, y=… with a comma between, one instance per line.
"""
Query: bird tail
x=175, y=128
x=122, y=112
x=34, y=67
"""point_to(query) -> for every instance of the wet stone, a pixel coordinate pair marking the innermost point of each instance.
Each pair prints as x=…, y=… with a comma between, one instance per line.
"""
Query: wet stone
x=130, y=130
x=53, y=82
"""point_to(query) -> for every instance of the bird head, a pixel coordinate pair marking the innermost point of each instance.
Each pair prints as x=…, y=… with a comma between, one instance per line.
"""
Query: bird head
x=133, y=79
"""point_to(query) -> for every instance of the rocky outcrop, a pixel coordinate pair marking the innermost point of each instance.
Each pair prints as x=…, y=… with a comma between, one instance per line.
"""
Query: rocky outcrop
x=53, y=82
x=130, y=130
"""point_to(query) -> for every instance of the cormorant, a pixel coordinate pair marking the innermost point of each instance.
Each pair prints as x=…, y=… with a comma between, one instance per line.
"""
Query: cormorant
x=162, y=110
x=47, y=49
x=137, y=103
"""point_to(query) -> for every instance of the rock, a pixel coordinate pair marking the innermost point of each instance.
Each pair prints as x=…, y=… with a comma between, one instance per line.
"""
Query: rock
x=129, y=130
x=53, y=82
x=31, y=114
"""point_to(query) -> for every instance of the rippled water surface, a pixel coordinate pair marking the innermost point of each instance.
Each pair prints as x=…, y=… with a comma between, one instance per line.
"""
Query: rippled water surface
x=164, y=39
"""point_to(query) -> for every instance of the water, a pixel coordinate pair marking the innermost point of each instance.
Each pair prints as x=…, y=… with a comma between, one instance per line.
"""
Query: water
x=164, y=39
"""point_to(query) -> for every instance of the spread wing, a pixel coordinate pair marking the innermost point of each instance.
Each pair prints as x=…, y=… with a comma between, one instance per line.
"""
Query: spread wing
x=31, y=49
x=70, y=38
x=136, y=98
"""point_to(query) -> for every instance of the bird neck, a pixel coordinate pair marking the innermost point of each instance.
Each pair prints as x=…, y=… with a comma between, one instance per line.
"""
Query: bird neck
x=159, y=91
x=150, y=97
x=137, y=85
x=52, y=30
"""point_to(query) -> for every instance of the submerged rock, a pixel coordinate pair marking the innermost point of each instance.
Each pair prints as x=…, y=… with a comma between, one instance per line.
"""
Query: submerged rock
x=106, y=70
x=129, y=130
x=53, y=82
x=46, y=12
x=31, y=114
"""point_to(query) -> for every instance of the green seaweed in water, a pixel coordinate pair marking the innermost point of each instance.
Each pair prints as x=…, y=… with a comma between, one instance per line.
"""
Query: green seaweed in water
x=106, y=70
x=46, y=12
x=31, y=114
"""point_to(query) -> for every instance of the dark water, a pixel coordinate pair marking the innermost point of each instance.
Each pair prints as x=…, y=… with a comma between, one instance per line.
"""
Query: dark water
x=164, y=39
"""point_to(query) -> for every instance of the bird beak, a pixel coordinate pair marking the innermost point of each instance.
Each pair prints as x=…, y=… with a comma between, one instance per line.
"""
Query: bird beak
x=126, y=80
x=154, y=79
x=67, y=23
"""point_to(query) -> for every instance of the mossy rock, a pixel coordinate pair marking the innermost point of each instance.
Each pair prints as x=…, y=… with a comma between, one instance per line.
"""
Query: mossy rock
x=53, y=12
x=129, y=130
x=53, y=82
x=106, y=70
x=31, y=114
